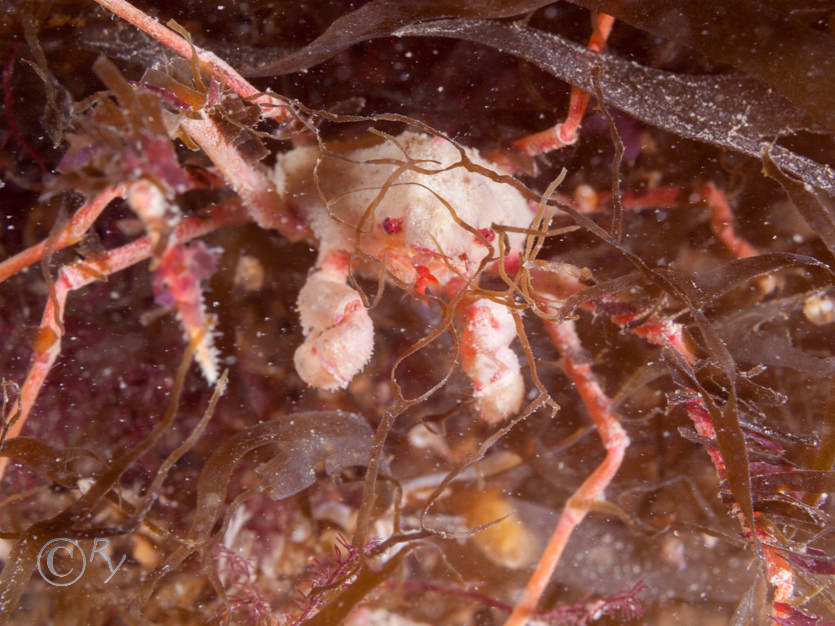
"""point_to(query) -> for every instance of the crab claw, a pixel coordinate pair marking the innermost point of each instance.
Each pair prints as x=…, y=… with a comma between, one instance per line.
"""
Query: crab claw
x=339, y=334
x=488, y=360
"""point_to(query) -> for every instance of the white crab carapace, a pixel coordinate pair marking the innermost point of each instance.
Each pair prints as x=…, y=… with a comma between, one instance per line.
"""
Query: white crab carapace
x=404, y=202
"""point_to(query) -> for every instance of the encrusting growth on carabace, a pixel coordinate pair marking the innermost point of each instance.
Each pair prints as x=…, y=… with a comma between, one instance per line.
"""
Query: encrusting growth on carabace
x=411, y=204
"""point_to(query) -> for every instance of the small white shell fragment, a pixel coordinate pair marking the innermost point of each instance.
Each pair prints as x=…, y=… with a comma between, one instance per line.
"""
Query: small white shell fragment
x=249, y=273
x=819, y=309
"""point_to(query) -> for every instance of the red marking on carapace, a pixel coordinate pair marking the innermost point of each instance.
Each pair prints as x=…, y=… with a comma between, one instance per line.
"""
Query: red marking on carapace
x=512, y=263
x=353, y=307
x=488, y=234
x=392, y=225
x=425, y=278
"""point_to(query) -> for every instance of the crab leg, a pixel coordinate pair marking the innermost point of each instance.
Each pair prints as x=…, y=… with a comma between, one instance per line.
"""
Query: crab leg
x=249, y=180
x=225, y=73
x=71, y=234
x=81, y=273
x=177, y=285
x=578, y=365
x=672, y=335
x=721, y=222
x=267, y=207
x=586, y=200
x=565, y=132
x=779, y=571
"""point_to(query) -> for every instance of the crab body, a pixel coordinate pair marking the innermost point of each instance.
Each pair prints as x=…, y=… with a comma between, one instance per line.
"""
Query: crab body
x=411, y=204
x=409, y=214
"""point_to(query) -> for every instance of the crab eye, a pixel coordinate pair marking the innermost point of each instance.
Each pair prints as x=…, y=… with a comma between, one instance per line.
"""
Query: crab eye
x=392, y=225
x=488, y=234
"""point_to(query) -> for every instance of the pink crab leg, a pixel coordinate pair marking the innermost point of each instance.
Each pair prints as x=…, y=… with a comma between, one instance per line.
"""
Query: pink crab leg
x=339, y=333
x=250, y=181
x=586, y=200
x=670, y=334
x=578, y=365
x=225, y=73
x=177, y=284
x=721, y=214
x=659, y=332
x=565, y=133
x=779, y=571
x=178, y=272
x=721, y=222
x=82, y=273
x=71, y=233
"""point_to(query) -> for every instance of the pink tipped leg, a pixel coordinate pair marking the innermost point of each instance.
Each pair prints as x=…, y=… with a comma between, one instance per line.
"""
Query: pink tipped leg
x=81, y=273
x=488, y=360
x=48, y=342
x=249, y=180
x=71, y=234
x=578, y=366
x=339, y=334
x=565, y=133
x=225, y=73
x=779, y=571
x=177, y=284
x=721, y=223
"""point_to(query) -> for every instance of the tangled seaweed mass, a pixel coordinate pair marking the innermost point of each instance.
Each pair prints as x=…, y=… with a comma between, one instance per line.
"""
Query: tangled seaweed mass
x=417, y=313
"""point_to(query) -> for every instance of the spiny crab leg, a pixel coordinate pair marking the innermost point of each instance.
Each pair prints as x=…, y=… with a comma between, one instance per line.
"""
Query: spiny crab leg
x=71, y=234
x=177, y=284
x=578, y=366
x=249, y=180
x=779, y=571
x=178, y=271
x=81, y=273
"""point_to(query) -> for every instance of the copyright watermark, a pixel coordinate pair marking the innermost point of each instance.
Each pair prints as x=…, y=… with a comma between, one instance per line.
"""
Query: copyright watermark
x=62, y=562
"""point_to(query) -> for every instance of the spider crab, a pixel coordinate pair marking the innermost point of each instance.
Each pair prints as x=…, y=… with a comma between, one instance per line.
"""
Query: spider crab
x=434, y=216
x=424, y=244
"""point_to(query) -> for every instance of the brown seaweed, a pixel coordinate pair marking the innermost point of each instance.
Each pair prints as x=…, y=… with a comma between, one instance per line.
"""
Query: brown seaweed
x=732, y=112
x=752, y=37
